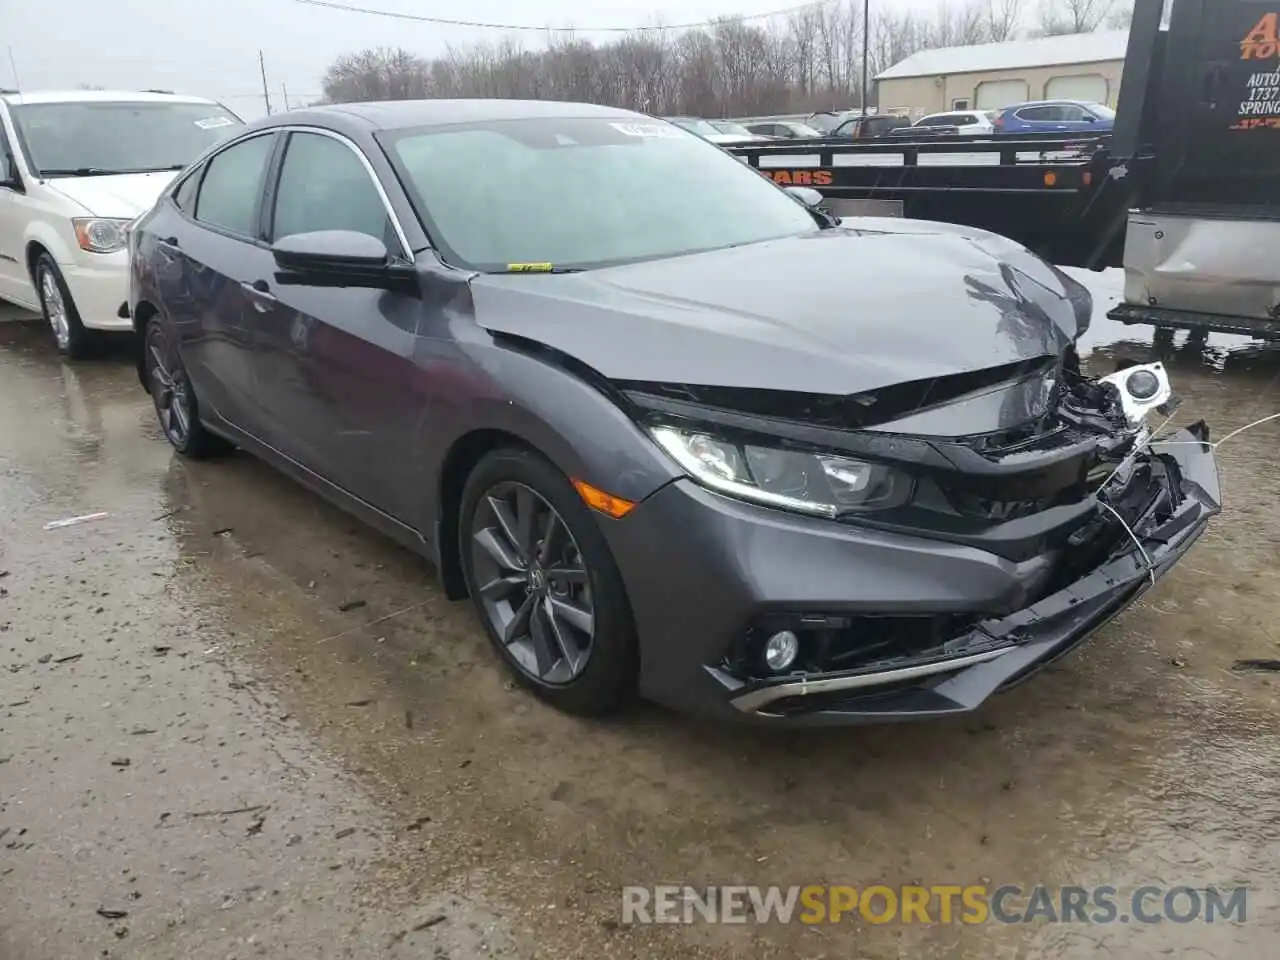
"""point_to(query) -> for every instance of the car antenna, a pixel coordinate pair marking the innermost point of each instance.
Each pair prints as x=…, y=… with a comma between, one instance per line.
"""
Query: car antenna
x=13, y=65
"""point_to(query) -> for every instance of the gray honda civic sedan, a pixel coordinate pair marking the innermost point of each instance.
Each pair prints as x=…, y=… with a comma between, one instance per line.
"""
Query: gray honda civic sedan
x=673, y=429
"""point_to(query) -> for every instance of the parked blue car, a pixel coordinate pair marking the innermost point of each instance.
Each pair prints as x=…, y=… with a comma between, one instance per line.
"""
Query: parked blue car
x=1055, y=116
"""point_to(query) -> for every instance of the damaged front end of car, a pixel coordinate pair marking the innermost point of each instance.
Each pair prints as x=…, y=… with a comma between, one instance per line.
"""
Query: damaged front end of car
x=1069, y=496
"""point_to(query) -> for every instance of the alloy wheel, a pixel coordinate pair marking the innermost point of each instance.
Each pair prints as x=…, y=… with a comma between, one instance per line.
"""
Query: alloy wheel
x=169, y=392
x=532, y=582
x=55, y=308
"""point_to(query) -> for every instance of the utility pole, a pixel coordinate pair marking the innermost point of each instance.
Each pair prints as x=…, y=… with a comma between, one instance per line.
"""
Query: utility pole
x=866, y=46
x=262, y=66
x=284, y=92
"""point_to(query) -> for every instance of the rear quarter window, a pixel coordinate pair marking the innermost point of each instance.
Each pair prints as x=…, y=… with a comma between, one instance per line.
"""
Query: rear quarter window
x=184, y=197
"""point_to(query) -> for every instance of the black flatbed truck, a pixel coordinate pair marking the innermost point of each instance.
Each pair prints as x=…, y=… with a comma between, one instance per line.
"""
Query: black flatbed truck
x=1184, y=192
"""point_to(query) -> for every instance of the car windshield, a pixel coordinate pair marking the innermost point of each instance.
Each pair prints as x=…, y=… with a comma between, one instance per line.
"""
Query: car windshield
x=577, y=193
x=105, y=137
x=737, y=129
x=1101, y=110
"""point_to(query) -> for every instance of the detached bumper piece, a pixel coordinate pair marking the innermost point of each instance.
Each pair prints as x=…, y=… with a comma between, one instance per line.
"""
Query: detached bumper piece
x=1153, y=514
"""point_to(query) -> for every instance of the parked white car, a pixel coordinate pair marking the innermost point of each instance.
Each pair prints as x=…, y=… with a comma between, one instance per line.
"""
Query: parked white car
x=966, y=121
x=75, y=169
x=708, y=131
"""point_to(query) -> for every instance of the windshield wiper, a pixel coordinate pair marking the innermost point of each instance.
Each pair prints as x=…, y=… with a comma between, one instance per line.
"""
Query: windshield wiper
x=79, y=172
x=103, y=172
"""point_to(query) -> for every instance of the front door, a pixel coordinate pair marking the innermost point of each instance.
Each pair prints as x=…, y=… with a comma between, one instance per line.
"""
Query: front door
x=338, y=362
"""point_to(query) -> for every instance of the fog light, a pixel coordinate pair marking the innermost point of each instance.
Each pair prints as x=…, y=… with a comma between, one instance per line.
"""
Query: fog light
x=780, y=650
x=1142, y=385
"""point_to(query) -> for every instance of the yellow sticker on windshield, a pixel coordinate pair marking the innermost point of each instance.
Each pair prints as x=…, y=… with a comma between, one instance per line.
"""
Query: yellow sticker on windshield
x=529, y=268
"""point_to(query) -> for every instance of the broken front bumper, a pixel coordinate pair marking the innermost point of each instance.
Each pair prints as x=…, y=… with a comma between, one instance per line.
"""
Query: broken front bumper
x=734, y=563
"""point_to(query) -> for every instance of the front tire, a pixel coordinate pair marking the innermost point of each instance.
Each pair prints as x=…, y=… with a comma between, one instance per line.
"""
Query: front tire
x=545, y=584
x=60, y=312
x=174, y=398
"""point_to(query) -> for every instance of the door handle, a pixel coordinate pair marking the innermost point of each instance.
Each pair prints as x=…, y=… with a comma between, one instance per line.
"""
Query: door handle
x=168, y=241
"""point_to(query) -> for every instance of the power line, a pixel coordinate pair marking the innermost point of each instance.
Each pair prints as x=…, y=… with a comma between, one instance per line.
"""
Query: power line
x=444, y=21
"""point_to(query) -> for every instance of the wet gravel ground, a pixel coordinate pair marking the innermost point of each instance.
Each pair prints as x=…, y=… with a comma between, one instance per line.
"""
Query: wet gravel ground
x=235, y=723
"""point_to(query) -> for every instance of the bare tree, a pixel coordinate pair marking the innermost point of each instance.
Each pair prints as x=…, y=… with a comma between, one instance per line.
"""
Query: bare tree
x=1003, y=18
x=810, y=60
x=1121, y=18
x=956, y=26
x=381, y=74
x=1072, y=16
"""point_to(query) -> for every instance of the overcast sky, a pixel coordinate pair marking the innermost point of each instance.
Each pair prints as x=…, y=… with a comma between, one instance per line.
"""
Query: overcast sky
x=210, y=47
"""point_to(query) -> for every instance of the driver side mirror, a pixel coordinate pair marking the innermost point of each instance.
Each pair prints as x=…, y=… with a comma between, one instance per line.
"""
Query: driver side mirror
x=339, y=258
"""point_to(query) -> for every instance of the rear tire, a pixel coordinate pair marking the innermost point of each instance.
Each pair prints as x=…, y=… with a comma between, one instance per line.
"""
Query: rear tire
x=60, y=312
x=531, y=548
x=174, y=398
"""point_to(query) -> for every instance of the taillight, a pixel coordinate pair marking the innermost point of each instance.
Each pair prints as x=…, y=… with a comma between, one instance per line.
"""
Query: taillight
x=998, y=122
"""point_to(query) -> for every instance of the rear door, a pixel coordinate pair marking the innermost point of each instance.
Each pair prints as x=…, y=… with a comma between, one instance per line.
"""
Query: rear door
x=339, y=360
x=1041, y=119
x=207, y=252
x=1073, y=118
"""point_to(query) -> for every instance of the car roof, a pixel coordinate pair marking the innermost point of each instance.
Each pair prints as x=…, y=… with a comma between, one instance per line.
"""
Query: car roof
x=1053, y=103
x=388, y=114
x=361, y=119
x=98, y=96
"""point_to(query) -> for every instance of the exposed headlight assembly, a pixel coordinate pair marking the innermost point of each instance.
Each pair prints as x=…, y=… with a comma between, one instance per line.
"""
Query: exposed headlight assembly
x=99, y=235
x=825, y=485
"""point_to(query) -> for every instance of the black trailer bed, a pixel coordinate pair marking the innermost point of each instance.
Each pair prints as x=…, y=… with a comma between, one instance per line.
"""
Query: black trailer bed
x=1062, y=195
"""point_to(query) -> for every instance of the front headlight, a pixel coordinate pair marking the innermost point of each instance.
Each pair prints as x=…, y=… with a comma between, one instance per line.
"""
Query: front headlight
x=99, y=235
x=826, y=485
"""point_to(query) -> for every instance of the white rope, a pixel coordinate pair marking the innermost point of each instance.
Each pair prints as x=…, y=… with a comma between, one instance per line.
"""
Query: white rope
x=1151, y=567
x=1151, y=442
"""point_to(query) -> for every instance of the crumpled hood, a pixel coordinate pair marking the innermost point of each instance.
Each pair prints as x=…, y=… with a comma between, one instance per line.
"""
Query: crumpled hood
x=122, y=197
x=867, y=305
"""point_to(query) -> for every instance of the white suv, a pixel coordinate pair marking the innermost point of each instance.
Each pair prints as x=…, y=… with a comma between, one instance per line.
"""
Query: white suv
x=75, y=169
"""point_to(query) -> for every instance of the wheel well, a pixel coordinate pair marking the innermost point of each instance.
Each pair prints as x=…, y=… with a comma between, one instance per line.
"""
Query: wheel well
x=142, y=315
x=34, y=251
x=465, y=453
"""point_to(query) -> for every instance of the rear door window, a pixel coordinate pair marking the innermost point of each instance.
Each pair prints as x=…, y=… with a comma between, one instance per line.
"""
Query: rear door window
x=231, y=191
x=1035, y=114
